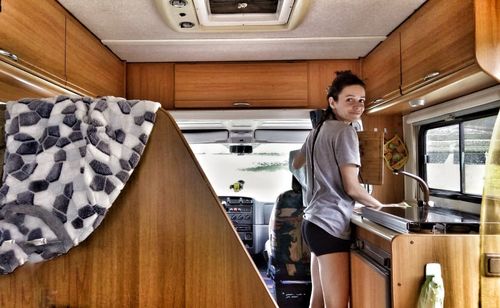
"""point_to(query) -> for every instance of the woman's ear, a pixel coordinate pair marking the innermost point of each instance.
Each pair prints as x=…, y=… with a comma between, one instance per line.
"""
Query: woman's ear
x=331, y=102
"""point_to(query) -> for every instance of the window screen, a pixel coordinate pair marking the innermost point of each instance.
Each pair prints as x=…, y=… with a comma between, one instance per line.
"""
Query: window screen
x=454, y=154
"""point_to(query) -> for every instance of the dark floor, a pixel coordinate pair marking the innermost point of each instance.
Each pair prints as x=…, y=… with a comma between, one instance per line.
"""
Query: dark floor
x=289, y=293
x=261, y=264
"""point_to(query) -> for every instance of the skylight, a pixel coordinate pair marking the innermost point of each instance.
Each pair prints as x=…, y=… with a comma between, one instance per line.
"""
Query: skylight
x=232, y=15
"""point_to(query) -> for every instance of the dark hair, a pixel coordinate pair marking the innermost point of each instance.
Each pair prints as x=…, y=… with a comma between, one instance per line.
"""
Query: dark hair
x=342, y=80
x=296, y=187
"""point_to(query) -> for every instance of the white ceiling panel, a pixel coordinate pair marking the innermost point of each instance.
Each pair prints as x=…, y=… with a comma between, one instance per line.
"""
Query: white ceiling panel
x=330, y=29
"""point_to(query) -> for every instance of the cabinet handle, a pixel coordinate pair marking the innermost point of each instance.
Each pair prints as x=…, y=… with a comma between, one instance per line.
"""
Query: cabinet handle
x=241, y=104
x=431, y=75
x=8, y=54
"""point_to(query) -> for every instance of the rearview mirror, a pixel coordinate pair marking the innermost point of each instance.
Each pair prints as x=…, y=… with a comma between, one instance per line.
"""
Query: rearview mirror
x=240, y=149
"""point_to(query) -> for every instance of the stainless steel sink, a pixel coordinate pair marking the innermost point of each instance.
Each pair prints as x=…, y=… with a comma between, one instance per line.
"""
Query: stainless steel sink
x=415, y=219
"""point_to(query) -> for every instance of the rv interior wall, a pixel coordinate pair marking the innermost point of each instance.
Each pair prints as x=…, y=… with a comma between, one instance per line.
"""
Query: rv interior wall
x=482, y=100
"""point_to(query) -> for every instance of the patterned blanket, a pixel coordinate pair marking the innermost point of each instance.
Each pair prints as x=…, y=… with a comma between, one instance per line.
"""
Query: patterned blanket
x=66, y=161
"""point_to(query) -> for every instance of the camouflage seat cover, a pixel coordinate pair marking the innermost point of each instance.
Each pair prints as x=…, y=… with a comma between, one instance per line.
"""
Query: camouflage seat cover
x=289, y=253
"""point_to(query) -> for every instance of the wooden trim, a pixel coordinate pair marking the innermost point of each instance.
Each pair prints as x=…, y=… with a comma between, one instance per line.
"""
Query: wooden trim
x=16, y=83
x=320, y=76
x=151, y=81
x=467, y=80
x=487, y=15
x=372, y=238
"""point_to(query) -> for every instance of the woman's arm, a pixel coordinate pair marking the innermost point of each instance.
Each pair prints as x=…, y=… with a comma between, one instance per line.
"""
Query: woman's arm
x=298, y=160
x=353, y=188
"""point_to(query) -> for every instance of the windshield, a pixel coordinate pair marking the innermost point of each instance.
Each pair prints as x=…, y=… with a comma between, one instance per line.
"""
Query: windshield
x=262, y=175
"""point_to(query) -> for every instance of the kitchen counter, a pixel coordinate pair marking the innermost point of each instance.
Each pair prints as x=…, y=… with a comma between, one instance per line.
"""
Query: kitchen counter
x=386, y=234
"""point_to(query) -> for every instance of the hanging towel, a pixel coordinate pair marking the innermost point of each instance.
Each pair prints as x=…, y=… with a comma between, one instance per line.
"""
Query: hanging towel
x=66, y=161
x=395, y=153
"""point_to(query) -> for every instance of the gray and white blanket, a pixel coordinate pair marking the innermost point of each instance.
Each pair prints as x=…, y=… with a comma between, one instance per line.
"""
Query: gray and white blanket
x=66, y=161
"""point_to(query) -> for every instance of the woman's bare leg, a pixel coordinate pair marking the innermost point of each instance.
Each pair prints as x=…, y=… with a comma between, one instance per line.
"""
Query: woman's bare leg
x=335, y=279
x=317, y=292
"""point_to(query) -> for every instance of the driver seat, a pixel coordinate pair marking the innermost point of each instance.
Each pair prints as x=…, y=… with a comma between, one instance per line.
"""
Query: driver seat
x=289, y=256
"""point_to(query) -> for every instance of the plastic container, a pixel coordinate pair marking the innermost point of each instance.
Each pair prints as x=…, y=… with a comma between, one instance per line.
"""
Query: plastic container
x=432, y=291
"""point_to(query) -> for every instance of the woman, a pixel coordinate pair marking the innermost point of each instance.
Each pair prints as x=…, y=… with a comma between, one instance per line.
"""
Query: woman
x=331, y=156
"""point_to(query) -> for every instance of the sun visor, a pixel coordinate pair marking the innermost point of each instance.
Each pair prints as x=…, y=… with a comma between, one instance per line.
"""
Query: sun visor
x=281, y=135
x=206, y=136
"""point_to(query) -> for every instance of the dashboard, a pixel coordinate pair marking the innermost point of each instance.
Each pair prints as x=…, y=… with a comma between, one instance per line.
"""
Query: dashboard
x=250, y=219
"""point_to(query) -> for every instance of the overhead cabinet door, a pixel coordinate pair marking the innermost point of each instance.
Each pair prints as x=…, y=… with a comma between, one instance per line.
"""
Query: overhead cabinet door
x=233, y=85
x=437, y=41
x=382, y=71
x=34, y=31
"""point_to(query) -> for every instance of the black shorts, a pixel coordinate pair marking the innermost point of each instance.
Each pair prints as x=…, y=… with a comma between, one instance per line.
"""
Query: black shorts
x=321, y=242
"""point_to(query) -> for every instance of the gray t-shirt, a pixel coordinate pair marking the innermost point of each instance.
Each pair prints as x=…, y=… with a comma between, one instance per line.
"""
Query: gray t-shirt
x=328, y=205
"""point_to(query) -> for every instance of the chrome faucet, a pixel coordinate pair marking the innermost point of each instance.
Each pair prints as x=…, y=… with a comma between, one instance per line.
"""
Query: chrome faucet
x=423, y=186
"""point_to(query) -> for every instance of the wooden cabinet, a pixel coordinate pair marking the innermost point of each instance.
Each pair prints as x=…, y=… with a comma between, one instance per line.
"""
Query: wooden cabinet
x=89, y=65
x=53, y=45
x=274, y=84
x=382, y=71
x=320, y=76
x=371, y=145
x=446, y=51
x=370, y=285
x=458, y=254
x=250, y=84
x=437, y=41
x=151, y=81
x=34, y=31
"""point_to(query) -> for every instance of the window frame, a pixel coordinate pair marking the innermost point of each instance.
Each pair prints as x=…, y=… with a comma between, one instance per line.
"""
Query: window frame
x=442, y=193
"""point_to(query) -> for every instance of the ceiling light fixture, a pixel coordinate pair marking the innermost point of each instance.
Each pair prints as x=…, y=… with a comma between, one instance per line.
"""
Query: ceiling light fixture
x=178, y=3
x=416, y=102
x=186, y=25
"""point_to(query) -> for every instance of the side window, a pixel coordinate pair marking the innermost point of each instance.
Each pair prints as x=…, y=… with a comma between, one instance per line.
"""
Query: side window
x=453, y=155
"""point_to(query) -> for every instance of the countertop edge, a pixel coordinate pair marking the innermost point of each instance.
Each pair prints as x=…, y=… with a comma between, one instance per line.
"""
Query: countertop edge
x=372, y=227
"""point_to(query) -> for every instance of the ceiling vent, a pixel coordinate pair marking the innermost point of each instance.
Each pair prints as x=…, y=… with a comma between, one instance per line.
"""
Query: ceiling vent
x=232, y=15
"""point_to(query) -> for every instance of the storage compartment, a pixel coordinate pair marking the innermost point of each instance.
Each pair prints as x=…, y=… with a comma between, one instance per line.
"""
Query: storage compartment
x=444, y=54
x=236, y=85
x=35, y=34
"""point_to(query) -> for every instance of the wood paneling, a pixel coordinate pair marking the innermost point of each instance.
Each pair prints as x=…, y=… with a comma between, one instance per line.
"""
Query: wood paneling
x=382, y=71
x=166, y=242
x=465, y=81
x=320, y=76
x=447, y=37
x=16, y=83
x=459, y=259
x=368, y=285
x=151, y=81
x=393, y=189
x=363, y=234
x=490, y=220
x=487, y=17
x=89, y=65
x=439, y=37
x=258, y=84
x=34, y=30
x=371, y=146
